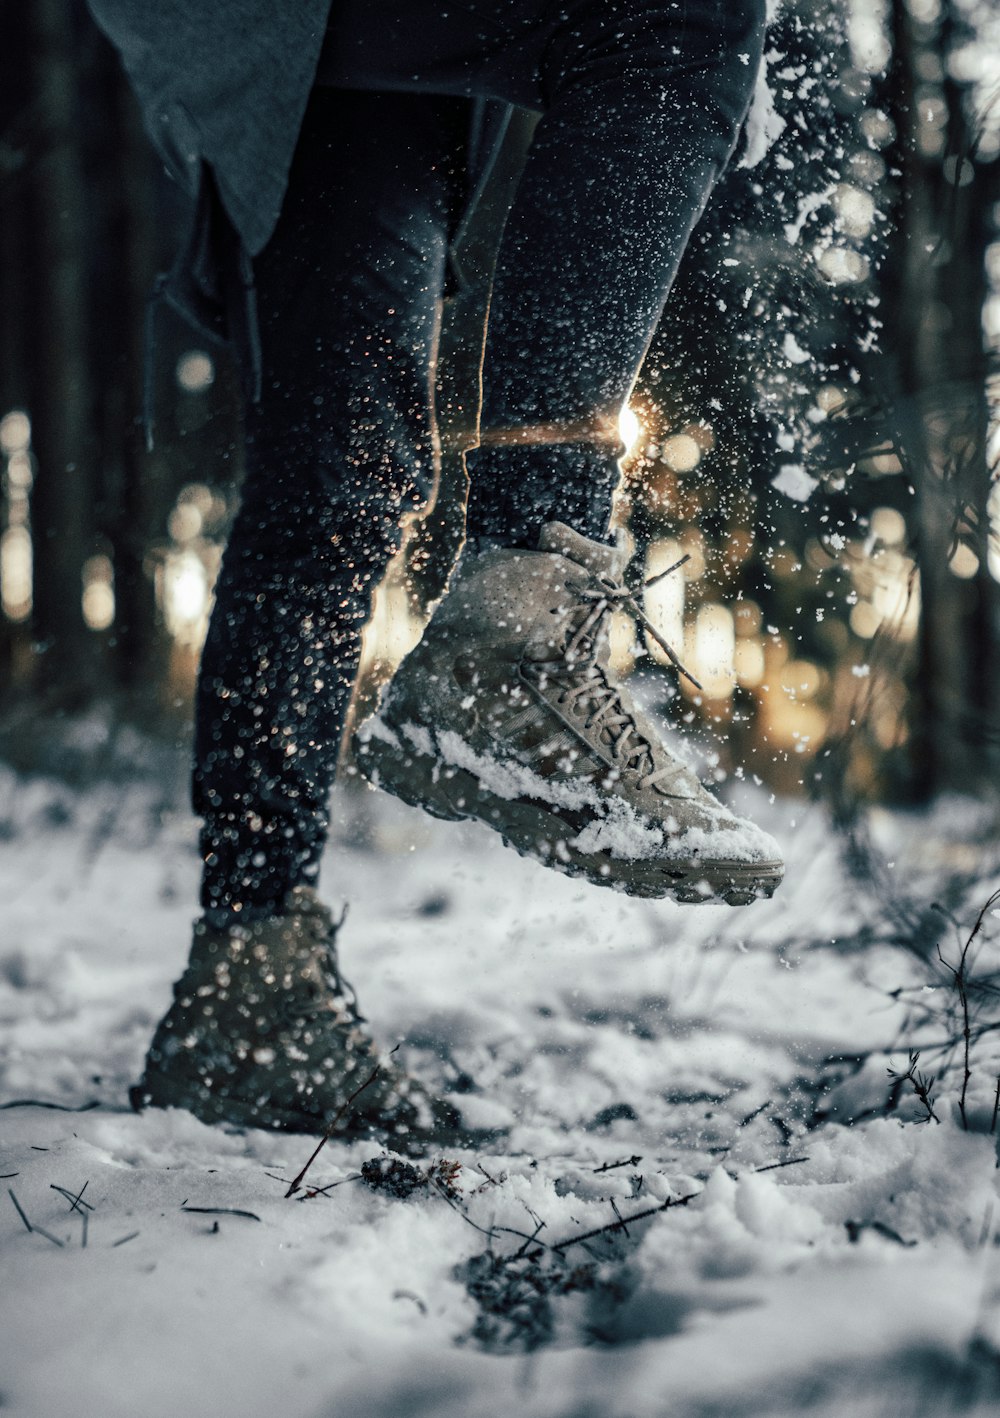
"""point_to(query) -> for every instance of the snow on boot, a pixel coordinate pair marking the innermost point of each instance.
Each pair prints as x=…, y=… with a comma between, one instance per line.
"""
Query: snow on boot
x=508, y=712
x=264, y=1032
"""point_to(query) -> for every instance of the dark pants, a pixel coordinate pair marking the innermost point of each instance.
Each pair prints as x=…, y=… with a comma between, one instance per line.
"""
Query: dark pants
x=642, y=101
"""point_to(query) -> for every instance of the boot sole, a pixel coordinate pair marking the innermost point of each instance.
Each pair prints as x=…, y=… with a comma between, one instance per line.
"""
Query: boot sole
x=160, y=1090
x=534, y=829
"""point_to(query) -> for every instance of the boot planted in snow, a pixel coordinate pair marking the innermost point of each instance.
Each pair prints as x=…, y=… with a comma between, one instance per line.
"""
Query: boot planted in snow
x=264, y=1032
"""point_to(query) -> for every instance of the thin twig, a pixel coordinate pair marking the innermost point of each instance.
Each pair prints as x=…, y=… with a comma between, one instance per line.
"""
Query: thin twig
x=855, y=1228
x=322, y=1191
x=55, y=1107
x=621, y=1221
x=773, y=1166
x=221, y=1211
x=410, y=1295
x=963, y=996
x=617, y=1225
x=755, y=1114
x=493, y=1230
x=529, y=1242
x=625, y=1162
x=122, y=1239
x=489, y=1234
x=490, y=1181
x=533, y=1214
x=328, y=1132
x=640, y=615
x=996, y=1107
x=669, y=571
x=961, y=985
x=921, y=1084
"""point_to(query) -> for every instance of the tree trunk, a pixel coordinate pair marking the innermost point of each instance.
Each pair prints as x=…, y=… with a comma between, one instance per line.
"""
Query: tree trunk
x=141, y=481
x=936, y=288
x=60, y=399
x=15, y=128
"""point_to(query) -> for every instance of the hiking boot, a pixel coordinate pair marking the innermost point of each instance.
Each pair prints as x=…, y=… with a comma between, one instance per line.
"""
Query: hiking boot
x=508, y=712
x=264, y=1032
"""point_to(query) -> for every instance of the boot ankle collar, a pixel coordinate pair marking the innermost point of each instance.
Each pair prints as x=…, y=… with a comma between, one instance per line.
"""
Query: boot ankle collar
x=597, y=557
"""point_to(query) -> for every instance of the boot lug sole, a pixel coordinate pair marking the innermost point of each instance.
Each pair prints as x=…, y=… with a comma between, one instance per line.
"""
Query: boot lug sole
x=456, y=795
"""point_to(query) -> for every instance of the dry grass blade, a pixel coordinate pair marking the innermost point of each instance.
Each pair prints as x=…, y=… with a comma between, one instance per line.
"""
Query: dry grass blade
x=33, y=1230
x=19, y=1209
x=76, y=1201
x=41, y=1231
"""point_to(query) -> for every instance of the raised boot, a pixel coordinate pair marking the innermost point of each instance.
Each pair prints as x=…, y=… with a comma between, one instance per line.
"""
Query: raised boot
x=263, y=1032
x=507, y=711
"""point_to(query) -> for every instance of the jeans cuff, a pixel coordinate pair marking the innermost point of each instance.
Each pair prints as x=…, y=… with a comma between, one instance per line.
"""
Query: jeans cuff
x=515, y=490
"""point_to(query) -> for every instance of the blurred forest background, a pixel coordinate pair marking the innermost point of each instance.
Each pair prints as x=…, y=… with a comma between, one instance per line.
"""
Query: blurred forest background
x=817, y=426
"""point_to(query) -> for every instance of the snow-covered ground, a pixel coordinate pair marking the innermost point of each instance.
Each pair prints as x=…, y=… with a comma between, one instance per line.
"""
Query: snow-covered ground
x=824, y=1257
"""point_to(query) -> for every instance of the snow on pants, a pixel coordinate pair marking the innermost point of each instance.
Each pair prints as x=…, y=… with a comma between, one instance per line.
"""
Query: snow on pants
x=641, y=104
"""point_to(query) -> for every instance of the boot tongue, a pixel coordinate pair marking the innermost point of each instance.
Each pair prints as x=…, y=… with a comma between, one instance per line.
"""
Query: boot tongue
x=597, y=557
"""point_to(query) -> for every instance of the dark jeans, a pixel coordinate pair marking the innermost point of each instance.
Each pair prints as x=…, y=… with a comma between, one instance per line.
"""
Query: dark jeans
x=642, y=101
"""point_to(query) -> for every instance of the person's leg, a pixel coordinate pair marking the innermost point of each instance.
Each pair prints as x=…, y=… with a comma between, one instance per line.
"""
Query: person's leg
x=642, y=103
x=509, y=710
x=644, y=100
x=339, y=445
x=263, y=1030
